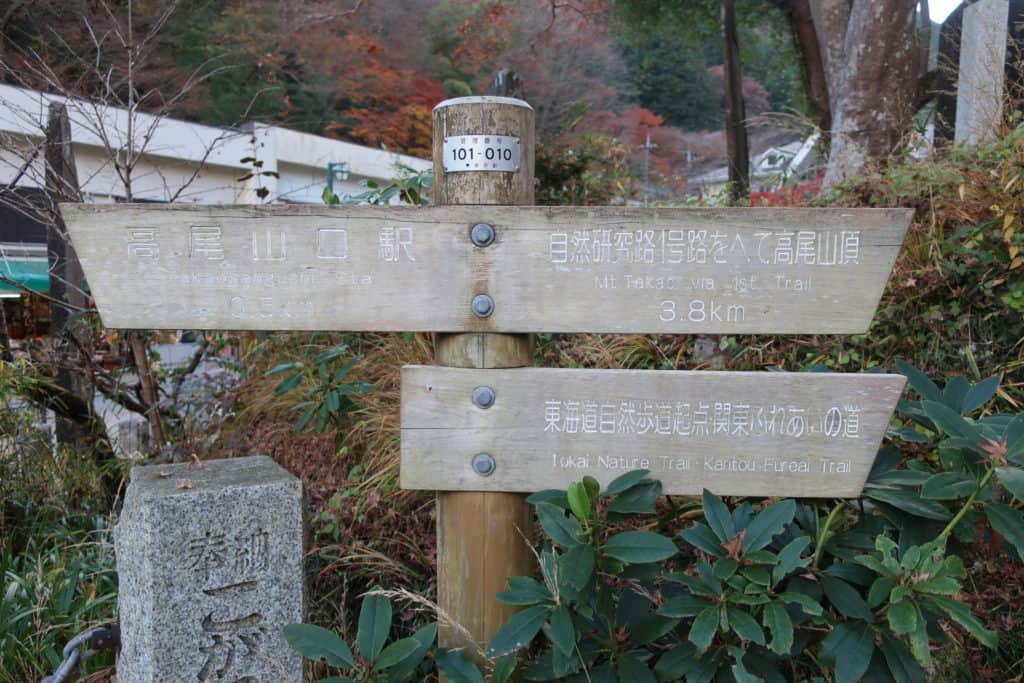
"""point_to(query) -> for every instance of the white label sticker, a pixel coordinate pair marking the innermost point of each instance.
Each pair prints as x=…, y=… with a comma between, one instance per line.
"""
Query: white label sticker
x=481, y=153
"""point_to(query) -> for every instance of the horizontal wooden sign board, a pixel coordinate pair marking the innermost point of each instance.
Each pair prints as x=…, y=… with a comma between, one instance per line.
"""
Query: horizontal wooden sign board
x=734, y=433
x=548, y=269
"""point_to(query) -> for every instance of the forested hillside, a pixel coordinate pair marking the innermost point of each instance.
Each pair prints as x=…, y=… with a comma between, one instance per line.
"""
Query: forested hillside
x=601, y=74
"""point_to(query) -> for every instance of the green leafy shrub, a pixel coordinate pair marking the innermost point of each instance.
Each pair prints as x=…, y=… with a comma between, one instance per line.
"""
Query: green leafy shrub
x=58, y=581
x=374, y=660
x=330, y=397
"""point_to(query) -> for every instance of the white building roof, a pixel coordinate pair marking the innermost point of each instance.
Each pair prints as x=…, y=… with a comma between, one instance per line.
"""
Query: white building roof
x=182, y=160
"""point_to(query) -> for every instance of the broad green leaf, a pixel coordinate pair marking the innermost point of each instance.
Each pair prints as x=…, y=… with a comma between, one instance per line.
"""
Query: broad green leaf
x=767, y=524
x=902, y=616
x=789, y=557
x=522, y=590
x=845, y=598
x=909, y=502
x=592, y=487
x=457, y=668
x=374, y=625
x=745, y=626
x=288, y=383
x=874, y=564
x=759, y=574
x=919, y=381
x=565, y=531
x=701, y=536
x=518, y=631
x=1012, y=478
x=561, y=631
x=961, y=613
x=909, y=434
x=704, y=626
x=552, y=496
x=950, y=421
x=850, y=646
x=1009, y=522
x=333, y=401
x=940, y=585
x=879, y=591
x=749, y=599
x=304, y=419
x=396, y=652
x=954, y=393
x=639, y=499
x=675, y=663
x=683, y=606
x=717, y=516
x=625, y=481
x=980, y=394
x=503, y=669
x=1014, y=436
x=279, y=369
x=633, y=670
x=919, y=642
x=315, y=643
x=639, y=547
x=696, y=585
x=739, y=669
x=579, y=501
x=902, y=666
x=761, y=557
x=425, y=636
x=650, y=628
x=948, y=486
x=776, y=619
x=724, y=568
x=806, y=602
x=576, y=566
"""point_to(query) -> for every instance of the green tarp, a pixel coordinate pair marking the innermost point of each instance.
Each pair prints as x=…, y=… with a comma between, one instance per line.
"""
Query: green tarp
x=30, y=273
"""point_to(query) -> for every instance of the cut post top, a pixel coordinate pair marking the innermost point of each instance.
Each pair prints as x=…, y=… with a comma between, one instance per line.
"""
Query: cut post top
x=483, y=99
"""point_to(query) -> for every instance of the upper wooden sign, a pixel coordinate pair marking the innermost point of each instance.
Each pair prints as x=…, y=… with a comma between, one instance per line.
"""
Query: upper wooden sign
x=550, y=269
x=735, y=433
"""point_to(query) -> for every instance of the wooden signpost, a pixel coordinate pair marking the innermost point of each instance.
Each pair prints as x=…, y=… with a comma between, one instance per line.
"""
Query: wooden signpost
x=482, y=270
x=547, y=269
x=734, y=433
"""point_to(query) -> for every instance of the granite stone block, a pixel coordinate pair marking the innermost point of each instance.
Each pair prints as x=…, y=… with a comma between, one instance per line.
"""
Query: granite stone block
x=210, y=565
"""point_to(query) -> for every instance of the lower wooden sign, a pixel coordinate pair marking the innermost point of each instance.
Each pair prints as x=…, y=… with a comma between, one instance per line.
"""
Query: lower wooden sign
x=735, y=433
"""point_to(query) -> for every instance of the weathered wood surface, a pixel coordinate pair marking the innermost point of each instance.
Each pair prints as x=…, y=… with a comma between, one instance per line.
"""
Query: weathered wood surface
x=550, y=269
x=480, y=535
x=734, y=433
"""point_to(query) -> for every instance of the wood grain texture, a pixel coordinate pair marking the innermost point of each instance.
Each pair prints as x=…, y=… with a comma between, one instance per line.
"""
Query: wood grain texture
x=550, y=269
x=481, y=537
x=496, y=116
x=735, y=433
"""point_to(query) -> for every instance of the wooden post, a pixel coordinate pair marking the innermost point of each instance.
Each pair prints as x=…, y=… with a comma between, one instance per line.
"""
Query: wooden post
x=481, y=537
x=735, y=111
x=69, y=332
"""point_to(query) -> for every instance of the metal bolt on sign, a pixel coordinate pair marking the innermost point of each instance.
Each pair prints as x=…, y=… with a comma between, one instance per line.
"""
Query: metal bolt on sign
x=483, y=306
x=483, y=397
x=482, y=234
x=483, y=464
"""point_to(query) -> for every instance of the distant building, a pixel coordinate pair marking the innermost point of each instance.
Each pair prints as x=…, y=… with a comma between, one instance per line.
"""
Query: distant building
x=769, y=170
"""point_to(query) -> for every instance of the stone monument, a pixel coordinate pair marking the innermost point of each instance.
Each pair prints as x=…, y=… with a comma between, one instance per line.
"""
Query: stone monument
x=210, y=565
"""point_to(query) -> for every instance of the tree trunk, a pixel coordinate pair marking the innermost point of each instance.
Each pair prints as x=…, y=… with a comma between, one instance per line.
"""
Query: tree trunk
x=147, y=385
x=735, y=112
x=70, y=335
x=873, y=87
x=815, y=80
